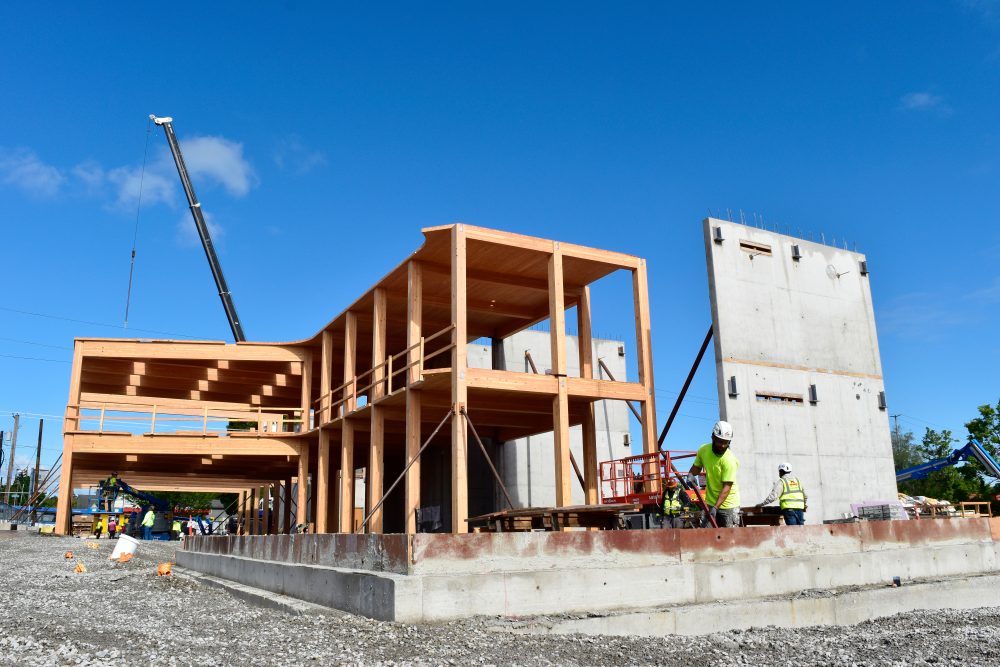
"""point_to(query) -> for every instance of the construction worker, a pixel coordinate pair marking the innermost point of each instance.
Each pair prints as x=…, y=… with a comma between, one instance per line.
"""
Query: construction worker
x=175, y=529
x=722, y=493
x=790, y=494
x=673, y=502
x=147, y=524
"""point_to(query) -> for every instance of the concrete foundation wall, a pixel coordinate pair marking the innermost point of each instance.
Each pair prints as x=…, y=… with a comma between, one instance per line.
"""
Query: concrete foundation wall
x=436, y=577
x=781, y=325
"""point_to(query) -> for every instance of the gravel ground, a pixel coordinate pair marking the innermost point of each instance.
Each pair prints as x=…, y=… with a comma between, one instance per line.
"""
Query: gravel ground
x=118, y=614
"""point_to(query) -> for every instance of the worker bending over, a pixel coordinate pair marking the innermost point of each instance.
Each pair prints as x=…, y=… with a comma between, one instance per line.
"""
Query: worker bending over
x=673, y=502
x=791, y=496
x=722, y=493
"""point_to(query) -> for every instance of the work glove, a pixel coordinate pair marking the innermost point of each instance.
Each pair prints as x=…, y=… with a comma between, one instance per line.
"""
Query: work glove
x=691, y=481
x=713, y=511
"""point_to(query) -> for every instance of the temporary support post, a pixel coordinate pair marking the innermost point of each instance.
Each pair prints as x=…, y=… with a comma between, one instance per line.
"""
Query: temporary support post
x=414, y=330
x=376, y=448
x=346, y=523
x=589, y=428
x=254, y=511
x=684, y=389
x=286, y=506
x=560, y=403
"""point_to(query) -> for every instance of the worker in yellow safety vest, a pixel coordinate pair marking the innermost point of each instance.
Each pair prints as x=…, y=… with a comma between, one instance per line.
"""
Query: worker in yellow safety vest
x=673, y=502
x=791, y=496
x=147, y=524
x=175, y=529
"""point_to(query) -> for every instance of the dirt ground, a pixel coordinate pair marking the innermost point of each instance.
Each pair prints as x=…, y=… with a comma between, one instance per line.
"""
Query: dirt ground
x=118, y=614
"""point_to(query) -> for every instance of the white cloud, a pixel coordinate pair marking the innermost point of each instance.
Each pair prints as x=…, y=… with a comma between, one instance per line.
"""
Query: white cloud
x=923, y=101
x=156, y=186
x=23, y=169
x=187, y=234
x=988, y=294
x=292, y=155
x=90, y=173
x=221, y=160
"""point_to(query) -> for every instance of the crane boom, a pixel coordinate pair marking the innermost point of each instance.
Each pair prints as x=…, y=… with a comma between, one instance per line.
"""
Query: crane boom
x=199, y=221
x=973, y=450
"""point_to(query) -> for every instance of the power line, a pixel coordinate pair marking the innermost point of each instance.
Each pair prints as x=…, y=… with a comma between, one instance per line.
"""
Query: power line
x=14, y=356
x=97, y=324
x=31, y=342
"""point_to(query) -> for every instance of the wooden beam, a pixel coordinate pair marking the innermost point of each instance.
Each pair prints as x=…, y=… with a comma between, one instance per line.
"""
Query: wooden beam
x=644, y=356
x=589, y=426
x=459, y=393
x=325, y=378
x=414, y=331
x=128, y=349
x=560, y=403
x=191, y=445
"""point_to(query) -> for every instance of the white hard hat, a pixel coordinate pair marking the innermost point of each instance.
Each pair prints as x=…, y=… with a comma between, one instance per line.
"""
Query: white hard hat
x=784, y=467
x=723, y=430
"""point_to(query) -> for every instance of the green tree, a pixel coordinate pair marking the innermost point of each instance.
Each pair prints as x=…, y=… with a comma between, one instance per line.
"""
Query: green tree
x=904, y=450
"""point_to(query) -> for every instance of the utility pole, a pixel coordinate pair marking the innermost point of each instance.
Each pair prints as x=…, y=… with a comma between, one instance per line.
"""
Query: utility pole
x=895, y=419
x=38, y=465
x=10, y=462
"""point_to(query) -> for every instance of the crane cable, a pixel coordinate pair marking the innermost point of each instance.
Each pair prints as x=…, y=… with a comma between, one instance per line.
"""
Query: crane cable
x=135, y=233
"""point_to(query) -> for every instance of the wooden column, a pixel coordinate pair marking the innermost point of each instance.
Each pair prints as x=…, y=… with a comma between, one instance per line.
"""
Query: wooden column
x=325, y=376
x=644, y=356
x=414, y=331
x=586, y=345
x=286, y=506
x=302, y=499
x=64, y=505
x=265, y=498
x=376, y=449
x=346, y=524
x=560, y=403
x=254, y=529
x=306, y=388
x=459, y=391
x=323, y=482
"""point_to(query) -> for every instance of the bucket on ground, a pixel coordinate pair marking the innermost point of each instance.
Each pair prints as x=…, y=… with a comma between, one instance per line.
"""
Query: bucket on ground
x=125, y=545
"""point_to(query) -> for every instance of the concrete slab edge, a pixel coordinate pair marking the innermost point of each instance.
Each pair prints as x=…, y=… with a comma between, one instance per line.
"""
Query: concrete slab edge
x=257, y=596
x=840, y=608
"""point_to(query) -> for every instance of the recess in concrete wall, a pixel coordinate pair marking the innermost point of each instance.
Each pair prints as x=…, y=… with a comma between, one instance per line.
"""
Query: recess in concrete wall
x=798, y=366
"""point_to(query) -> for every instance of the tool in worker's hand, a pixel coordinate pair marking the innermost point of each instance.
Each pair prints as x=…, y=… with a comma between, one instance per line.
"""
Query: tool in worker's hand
x=701, y=501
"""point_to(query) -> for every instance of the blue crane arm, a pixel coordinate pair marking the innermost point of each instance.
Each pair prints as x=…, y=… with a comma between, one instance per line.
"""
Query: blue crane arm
x=160, y=504
x=973, y=450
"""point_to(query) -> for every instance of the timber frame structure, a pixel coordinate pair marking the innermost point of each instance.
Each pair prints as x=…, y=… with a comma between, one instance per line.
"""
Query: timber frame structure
x=364, y=392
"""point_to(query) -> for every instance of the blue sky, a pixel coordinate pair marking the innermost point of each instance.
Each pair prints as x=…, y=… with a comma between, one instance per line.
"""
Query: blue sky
x=310, y=127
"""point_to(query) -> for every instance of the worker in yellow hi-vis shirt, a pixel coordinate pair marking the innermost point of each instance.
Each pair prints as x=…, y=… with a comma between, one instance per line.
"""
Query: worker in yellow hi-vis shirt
x=722, y=493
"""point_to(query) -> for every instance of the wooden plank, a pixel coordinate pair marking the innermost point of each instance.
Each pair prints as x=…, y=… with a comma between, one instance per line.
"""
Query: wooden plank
x=589, y=426
x=322, y=487
x=606, y=390
x=459, y=393
x=560, y=402
x=644, y=357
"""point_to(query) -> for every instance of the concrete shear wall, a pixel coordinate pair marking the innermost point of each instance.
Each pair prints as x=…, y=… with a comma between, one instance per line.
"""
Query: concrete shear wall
x=781, y=325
